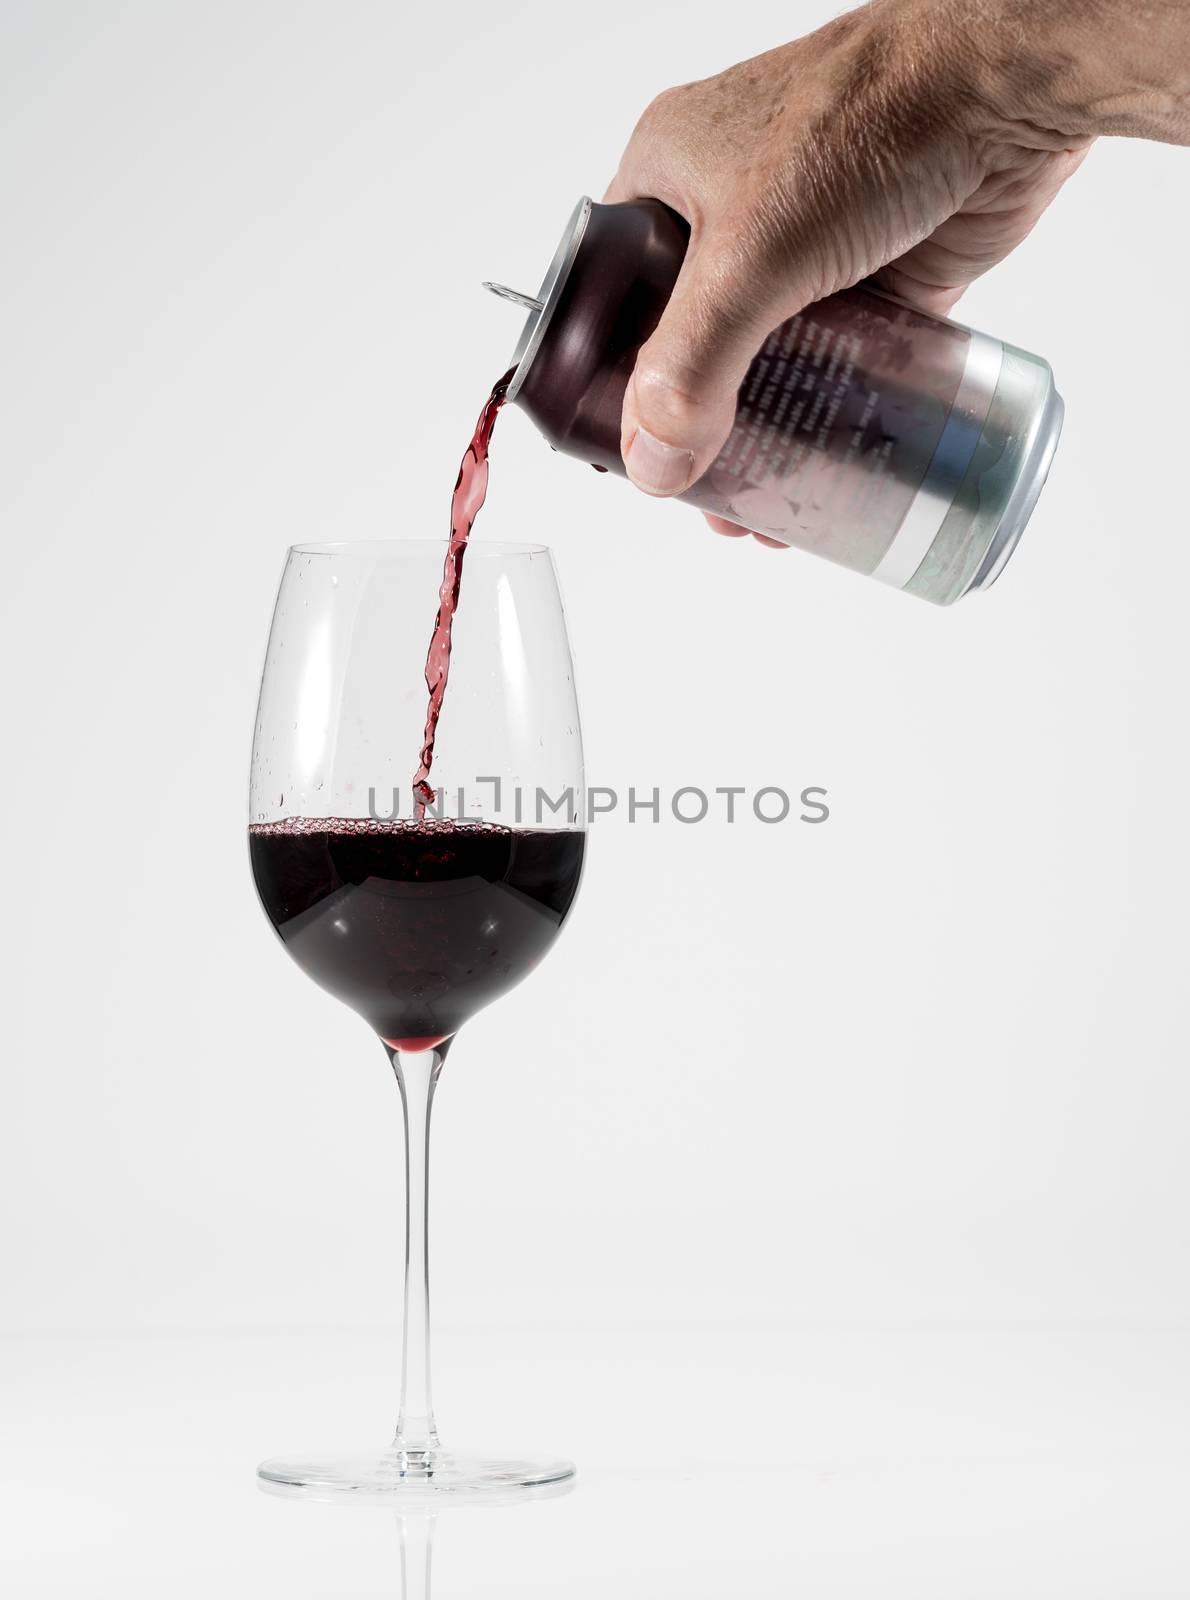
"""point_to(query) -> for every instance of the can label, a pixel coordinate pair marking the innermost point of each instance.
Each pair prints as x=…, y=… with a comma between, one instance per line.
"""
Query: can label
x=838, y=421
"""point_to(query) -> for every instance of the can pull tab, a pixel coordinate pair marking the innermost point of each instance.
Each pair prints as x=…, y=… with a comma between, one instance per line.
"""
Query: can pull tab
x=530, y=302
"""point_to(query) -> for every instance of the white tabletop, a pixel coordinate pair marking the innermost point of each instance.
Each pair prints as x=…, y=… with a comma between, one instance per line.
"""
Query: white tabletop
x=858, y=1461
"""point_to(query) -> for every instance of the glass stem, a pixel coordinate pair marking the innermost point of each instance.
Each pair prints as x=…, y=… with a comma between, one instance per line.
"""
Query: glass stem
x=417, y=1074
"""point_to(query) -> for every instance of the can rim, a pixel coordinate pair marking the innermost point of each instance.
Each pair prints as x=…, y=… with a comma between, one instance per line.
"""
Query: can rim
x=1039, y=455
x=549, y=294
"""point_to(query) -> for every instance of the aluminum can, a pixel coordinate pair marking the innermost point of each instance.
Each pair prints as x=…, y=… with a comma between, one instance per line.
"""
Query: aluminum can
x=900, y=445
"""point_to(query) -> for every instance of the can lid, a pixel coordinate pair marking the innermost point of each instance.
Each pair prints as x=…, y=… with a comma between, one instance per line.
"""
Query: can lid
x=543, y=305
x=1030, y=481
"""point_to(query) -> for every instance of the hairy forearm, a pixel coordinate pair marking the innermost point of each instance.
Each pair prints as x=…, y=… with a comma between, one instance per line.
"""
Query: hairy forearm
x=1082, y=68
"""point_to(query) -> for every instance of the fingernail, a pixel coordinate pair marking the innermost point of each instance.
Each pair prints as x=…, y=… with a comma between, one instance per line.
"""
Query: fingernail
x=658, y=468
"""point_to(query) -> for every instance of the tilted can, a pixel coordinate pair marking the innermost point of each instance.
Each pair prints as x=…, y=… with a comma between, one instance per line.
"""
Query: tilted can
x=901, y=445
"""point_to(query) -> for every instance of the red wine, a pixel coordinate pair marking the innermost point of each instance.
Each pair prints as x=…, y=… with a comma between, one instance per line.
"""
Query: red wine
x=470, y=491
x=415, y=925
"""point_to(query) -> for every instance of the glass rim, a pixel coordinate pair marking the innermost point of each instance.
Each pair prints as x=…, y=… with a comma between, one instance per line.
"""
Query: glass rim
x=348, y=547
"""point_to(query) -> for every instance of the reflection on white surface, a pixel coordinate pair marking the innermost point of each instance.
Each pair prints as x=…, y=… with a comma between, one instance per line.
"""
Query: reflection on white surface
x=417, y=1550
x=858, y=1463
x=416, y=1531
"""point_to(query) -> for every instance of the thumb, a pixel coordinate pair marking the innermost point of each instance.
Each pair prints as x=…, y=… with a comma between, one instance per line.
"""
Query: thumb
x=680, y=402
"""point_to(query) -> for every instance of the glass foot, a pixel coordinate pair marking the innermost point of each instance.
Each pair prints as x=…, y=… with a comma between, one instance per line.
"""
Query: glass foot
x=413, y=1477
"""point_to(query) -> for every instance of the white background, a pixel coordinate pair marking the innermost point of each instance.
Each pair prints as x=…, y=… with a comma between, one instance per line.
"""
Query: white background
x=921, y=1065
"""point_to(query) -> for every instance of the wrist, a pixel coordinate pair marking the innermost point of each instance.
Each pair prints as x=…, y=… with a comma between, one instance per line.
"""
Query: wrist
x=1077, y=69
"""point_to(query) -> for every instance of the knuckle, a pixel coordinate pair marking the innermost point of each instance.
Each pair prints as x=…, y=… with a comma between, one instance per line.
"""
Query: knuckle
x=674, y=393
x=668, y=119
x=663, y=105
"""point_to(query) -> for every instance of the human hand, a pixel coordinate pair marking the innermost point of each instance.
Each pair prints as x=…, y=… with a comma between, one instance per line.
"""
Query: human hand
x=886, y=144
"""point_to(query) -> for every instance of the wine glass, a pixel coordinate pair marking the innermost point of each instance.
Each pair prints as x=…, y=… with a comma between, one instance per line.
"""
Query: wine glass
x=416, y=924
